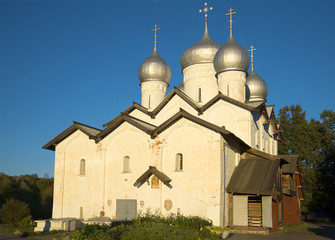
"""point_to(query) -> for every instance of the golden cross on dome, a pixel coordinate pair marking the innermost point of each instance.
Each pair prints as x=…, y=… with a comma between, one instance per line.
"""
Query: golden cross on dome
x=231, y=12
x=251, y=50
x=205, y=10
x=155, y=30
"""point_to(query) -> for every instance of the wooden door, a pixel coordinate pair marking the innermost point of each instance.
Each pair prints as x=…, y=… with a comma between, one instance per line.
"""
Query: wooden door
x=254, y=211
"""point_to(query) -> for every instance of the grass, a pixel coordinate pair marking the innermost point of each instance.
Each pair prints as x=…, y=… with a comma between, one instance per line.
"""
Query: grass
x=4, y=229
x=295, y=227
x=10, y=230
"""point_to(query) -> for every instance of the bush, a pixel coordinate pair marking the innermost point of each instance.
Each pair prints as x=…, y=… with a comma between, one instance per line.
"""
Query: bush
x=15, y=213
x=25, y=222
x=151, y=227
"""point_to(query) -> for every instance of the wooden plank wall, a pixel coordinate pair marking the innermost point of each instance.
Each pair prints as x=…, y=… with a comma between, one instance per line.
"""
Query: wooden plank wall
x=254, y=211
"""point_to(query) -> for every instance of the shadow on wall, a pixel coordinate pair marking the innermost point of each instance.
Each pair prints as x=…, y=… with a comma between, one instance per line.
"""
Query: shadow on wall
x=47, y=226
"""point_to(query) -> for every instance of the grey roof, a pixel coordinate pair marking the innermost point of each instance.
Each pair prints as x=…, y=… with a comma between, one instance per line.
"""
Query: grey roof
x=256, y=104
x=154, y=131
x=88, y=130
x=153, y=170
x=254, y=176
x=91, y=132
x=292, y=163
x=191, y=102
x=142, y=123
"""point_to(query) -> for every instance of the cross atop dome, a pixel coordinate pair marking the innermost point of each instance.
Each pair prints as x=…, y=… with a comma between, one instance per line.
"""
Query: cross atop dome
x=155, y=30
x=251, y=50
x=205, y=10
x=231, y=12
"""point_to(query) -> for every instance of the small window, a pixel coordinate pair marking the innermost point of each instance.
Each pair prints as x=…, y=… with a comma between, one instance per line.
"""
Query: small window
x=149, y=103
x=82, y=167
x=199, y=94
x=126, y=164
x=179, y=162
x=81, y=213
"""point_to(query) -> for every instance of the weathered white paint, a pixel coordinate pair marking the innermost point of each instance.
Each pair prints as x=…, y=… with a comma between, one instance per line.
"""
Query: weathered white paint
x=153, y=93
x=200, y=76
x=232, y=84
x=240, y=210
x=208, y=158
x=267, y=211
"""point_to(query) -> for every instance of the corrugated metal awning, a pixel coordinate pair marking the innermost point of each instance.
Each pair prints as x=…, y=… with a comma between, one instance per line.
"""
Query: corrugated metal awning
x=254, y=176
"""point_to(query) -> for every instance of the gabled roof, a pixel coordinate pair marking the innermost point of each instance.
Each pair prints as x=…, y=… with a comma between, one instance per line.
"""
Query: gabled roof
x=254, y=176
x=188, y=100
x=130, y=109
x=152, y=171
x=88, y=130
x=116, y=122
x=269, y=110
x=183, y=114
x=167, y=99
x=291, y=163
x=153, y=131
x=220, y=96
x=148, y=128
x=257, y=104
x=254, y=153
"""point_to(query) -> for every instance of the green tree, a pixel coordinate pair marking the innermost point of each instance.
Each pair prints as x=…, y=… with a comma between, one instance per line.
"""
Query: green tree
x=14, y=211
x=36, y=192
x=314, y=142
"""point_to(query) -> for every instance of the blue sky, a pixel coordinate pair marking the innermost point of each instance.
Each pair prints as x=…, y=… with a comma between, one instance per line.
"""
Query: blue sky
x=65, y=60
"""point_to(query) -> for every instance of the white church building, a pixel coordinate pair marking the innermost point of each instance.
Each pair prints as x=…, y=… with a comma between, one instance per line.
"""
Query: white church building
x=177, y=152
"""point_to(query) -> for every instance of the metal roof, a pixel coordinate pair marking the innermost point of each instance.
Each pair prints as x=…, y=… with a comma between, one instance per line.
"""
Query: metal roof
x=292, y=163
x=88, y=130
x=254, y=176
x=153, y=170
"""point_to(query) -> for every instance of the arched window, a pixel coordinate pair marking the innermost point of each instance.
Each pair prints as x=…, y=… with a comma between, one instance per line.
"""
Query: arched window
x=126, y=164
x=179, y=162
x=81, y=213
x=82, y=167
x=149, y=103
x=199, y=94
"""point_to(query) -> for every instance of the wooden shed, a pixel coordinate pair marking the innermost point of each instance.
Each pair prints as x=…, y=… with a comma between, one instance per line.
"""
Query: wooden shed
x=263, y=192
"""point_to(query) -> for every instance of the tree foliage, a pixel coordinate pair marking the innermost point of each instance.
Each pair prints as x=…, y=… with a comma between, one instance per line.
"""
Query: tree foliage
x=36, y=192
x=314, y=142
x=15, y=213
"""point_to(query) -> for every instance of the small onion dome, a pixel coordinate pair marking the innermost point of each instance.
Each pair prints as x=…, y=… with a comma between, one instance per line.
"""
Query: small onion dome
x=202, y=52
x=256, y=87
x=154, y=68
x=231, y=56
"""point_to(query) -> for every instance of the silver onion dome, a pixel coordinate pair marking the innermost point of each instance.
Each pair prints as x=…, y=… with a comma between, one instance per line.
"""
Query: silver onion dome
x=202, y=52
x=257, y=88
x=231, y=56
x=154, y=68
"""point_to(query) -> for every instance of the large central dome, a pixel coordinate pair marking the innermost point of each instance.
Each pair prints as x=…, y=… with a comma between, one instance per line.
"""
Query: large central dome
x=231, y=56
x=202, y=52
